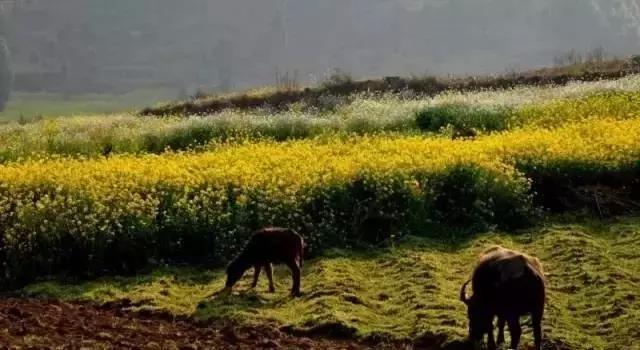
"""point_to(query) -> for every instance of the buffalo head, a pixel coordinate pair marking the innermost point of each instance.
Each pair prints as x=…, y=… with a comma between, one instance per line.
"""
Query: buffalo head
x=480, y=317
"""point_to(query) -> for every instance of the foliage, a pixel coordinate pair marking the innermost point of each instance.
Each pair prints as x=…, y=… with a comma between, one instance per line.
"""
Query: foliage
x=479, y=112
x=118, y=213
x=608, y=104
x=463, y=118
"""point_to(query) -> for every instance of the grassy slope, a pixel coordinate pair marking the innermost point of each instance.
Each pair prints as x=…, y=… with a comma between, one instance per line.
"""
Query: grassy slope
x=344, y=86
x=410, y=290
x=485, y=111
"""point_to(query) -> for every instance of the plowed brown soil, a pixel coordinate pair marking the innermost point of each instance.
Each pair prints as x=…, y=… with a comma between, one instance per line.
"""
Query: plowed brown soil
x=37, y=324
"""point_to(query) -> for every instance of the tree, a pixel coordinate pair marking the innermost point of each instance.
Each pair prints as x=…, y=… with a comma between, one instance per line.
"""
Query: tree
x=6, y=75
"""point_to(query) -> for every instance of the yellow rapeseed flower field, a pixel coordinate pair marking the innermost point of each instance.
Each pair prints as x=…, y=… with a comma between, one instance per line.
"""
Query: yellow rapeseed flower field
x=204, y=204
x=485, y=112
x=314, y=162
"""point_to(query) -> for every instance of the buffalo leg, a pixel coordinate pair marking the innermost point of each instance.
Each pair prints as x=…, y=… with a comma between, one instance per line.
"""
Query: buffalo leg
x=536, y=319
x=501, y=323
x=515, y=331
x=295, y=275
x=269, y=270
x=256, y=274
x=491, y=343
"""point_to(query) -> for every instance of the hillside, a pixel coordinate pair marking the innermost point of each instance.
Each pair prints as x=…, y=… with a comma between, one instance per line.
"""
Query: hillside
x=408, y=294
x=444, y=115
x=114, y=230
x=341, y=88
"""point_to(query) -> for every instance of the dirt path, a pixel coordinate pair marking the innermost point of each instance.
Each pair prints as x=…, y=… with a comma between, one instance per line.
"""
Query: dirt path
x=33, y=324
x=38, y=324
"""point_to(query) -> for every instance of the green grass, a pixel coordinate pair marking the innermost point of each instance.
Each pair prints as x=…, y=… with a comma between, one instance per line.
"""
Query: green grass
x=410, y=290
x=92, y=135
x=35, y=105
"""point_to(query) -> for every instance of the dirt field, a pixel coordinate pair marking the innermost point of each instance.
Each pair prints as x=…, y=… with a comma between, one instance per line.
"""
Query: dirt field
x=33, y=324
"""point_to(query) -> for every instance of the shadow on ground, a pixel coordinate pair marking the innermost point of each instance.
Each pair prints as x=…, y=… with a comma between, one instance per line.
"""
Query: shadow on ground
x=408, y=294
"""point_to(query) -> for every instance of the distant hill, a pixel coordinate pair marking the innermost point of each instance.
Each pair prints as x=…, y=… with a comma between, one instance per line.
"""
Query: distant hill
x=344, y=88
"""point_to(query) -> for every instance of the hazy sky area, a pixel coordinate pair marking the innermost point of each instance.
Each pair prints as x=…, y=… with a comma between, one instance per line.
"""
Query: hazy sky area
x=104, y=45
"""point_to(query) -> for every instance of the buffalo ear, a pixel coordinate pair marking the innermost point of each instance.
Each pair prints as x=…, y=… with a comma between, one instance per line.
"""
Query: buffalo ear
x=463, y=293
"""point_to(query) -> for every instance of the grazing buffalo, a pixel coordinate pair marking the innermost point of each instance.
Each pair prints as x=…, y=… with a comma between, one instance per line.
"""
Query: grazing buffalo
x=507, y=285
x=272, y=245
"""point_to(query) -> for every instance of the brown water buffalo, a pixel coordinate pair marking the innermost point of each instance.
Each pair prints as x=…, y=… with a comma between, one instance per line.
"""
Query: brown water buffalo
x=271, y=245
x=507, y=285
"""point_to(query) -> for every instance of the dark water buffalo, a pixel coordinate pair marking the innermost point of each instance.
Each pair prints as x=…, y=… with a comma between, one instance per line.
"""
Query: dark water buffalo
x=272, y=245
x=507, y=285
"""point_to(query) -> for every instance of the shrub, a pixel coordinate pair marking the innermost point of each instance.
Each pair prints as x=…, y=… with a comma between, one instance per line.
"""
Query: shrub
x=338, y=79
x=462, y=117
x=366, y=114
x=118, y=214
x=472, y=198
x=52, y=231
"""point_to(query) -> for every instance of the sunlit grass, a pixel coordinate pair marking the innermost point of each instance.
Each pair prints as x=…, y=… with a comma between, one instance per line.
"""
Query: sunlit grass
x=485, y=112
x=410, y=291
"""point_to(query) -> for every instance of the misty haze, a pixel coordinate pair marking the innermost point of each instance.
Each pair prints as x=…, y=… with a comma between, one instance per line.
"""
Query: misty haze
x=320, y=174
x=78, y=46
